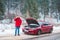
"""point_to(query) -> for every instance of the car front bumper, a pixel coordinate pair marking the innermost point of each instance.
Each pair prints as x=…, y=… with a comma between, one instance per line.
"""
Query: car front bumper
x=30, y=31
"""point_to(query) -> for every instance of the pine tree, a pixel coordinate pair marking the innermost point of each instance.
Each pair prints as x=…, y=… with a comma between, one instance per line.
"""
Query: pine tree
x=2, y=9
x=44, y=7
x=32, y=7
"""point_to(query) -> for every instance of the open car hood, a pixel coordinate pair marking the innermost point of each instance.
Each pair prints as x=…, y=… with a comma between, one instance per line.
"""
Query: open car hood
x=31, y=21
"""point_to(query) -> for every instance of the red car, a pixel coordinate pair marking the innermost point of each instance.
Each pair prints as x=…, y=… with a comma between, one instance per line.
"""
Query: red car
x=35, y=27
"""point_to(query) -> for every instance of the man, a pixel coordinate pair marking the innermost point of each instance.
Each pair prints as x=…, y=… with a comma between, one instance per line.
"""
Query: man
x=18, y=22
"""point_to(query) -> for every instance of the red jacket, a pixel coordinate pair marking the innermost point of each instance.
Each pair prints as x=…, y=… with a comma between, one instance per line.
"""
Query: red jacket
x=18, y=21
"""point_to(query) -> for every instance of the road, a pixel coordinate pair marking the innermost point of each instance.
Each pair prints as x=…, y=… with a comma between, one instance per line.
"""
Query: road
x=50, y=37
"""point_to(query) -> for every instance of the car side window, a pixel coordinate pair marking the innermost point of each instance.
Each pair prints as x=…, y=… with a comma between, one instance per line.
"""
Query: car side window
x=45, y=24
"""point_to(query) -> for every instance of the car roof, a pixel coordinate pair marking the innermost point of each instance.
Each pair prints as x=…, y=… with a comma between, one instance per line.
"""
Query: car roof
x=43, y=22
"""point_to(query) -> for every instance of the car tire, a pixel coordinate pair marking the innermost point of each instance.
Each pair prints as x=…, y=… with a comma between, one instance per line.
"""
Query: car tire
x=51, y=30
x=39, y=32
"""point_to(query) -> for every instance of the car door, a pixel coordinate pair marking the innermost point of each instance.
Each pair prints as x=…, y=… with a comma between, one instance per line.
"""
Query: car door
x=44, y=27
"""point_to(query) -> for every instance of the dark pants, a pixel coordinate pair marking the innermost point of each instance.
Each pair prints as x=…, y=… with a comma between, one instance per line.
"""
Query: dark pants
x=17, y=30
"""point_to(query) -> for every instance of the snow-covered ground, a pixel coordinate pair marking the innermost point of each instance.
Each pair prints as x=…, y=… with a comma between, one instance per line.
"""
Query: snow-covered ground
x=53, y=21
x=56, y=29
x=8, y=29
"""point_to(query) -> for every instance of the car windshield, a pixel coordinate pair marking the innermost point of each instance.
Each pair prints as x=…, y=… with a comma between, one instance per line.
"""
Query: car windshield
x=33, y=25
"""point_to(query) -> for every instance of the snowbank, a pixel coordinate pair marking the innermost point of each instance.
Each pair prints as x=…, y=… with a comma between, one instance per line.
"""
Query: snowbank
x=8, y=29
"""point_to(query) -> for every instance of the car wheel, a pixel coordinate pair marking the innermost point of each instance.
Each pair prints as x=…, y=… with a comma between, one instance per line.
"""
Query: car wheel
x=39, y=32
x=51, y=30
